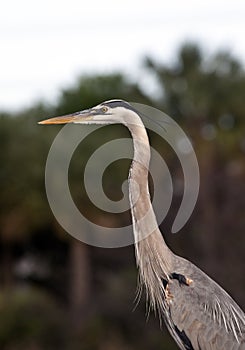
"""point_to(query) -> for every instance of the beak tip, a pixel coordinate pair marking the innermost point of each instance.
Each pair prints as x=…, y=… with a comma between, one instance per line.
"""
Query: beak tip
x=53, y=121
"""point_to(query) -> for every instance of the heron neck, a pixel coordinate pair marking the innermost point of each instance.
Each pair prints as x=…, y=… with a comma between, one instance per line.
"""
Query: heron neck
x=149, y=243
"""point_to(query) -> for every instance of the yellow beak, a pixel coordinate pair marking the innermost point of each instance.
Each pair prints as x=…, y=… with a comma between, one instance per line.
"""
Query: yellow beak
x=69, y=118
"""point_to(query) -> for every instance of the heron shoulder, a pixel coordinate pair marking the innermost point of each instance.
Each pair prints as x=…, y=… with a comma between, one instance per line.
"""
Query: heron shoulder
x=205, y=304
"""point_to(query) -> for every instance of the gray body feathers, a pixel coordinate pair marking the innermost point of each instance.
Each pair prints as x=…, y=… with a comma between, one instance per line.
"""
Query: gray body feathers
x=204, y=311
x=199, y=314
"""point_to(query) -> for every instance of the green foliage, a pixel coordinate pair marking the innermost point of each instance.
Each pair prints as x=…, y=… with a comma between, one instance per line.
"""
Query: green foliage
x=91, y=90
x=200, y=88
x=24, y=149
x=30, y=319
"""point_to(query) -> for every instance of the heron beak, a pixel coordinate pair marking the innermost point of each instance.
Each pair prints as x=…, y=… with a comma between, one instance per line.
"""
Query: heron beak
x=77, y=117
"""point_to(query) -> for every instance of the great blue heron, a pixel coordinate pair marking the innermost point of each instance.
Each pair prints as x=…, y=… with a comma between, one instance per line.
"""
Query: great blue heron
x=198, y=313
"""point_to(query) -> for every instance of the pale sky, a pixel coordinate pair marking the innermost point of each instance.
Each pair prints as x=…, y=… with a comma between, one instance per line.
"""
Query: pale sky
x=45, y=45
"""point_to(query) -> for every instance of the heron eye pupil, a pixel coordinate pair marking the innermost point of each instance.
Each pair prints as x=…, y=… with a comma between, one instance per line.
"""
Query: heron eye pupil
x=104, y=109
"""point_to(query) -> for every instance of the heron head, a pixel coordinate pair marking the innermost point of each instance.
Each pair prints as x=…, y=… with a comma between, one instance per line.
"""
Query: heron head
x=109, y=112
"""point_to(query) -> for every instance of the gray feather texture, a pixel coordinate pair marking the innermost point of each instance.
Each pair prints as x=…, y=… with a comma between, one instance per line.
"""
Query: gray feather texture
x=199, y=314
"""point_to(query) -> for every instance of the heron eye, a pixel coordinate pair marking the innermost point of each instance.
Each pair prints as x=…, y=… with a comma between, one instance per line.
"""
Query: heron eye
x=104, y=109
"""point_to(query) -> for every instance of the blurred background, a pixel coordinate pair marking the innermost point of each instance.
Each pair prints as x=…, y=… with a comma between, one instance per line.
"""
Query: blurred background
x=186, y=59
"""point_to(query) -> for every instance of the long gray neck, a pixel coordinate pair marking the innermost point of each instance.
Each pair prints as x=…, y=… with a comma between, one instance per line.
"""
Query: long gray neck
x=153, y=256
